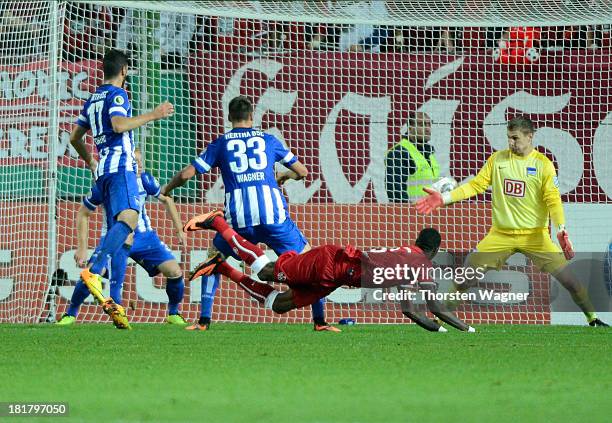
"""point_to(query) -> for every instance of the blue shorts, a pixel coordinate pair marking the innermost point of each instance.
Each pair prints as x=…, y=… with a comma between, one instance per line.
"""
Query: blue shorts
x=280, y=238
x=120, y=192
x=148, y=251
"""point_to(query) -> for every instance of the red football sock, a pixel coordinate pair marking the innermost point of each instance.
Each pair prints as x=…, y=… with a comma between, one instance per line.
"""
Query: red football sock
x=258, y=291
x=250, y=253
x=247, y=251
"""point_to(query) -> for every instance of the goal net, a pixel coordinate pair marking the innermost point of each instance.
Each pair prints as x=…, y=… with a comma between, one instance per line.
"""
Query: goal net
x=342, y=84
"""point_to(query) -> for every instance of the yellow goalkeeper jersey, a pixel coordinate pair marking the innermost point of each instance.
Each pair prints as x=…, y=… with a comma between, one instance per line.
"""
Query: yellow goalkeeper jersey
x=525, y=191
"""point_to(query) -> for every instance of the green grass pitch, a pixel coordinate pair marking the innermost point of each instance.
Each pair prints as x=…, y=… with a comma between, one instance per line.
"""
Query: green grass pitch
x=288, y=373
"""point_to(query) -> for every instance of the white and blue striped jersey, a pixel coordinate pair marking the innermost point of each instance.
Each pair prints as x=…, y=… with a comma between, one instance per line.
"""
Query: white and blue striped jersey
x=115, y=151
x=246, y=158
x=148, y=186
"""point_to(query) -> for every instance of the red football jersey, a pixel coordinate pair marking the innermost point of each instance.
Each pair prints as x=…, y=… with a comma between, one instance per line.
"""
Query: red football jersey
x=397, y=266
x=333, y=266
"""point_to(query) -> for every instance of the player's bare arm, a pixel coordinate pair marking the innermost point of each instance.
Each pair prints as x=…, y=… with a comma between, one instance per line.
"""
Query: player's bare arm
x=441, y=312
x=179, y=179
x=76, y=140
x=297, y=171
x=123, y=124
x=409, y=310
x=168, y=203
x=82, y=220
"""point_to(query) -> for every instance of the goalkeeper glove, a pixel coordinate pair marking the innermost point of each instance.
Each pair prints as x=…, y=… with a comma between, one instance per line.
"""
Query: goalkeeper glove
x=565, y=243
x=429, y=203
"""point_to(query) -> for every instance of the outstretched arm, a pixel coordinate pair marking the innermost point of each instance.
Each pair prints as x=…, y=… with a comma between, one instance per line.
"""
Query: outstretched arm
x=179, y=179
x=297, y=171
x=123, y=123
x=442, y=313
x=479, y=184
x=168, y=203
x=409, y=310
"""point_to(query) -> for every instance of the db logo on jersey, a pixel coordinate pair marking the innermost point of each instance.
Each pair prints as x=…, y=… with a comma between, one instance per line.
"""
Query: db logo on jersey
x=514, y=188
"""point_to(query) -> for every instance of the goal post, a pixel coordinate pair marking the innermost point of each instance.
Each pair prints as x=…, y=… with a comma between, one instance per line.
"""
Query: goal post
x=340, y=83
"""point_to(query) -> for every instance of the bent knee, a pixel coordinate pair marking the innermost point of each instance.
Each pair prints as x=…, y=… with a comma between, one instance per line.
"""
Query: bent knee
x=171, y=270
x=129, y=217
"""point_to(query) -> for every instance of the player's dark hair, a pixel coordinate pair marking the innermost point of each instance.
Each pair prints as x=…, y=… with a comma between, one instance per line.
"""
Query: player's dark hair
x=429, y=240
x=240, y=109
x=411, y=119
x=521, y=123
x=113, y=62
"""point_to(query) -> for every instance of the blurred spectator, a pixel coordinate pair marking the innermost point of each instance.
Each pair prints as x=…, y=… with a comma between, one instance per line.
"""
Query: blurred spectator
x=88, y=31
x=322, y=36
x=365, y=37
x=23, y=38
x=239, y=35
x=202, y=40
x=174, y=33
x=568, y=36
x=426, y=39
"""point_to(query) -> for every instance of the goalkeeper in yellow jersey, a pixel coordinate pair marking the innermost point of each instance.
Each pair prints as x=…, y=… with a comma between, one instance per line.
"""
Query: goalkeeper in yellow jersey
x=525, y=193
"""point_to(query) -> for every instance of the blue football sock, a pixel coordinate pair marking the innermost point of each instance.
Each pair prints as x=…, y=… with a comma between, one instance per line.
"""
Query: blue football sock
x=78, y=297
x=118, y=268
x=209, y=289
x=318, y=311
x=113, y=241
x=175, y=289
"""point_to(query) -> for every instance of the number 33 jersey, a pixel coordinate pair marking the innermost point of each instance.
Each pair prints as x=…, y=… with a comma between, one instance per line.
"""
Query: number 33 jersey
x=246, y=158
x=115, y=151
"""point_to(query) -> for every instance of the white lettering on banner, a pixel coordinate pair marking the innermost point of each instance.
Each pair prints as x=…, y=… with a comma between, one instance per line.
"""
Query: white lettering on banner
x=565, y=148
x=602, y=154
x=77, y=92
x=340, y=188
x=281, y=102
x=297, y=191
x=27, y=83
x=561, y=144
x=441, y=113
x=30, y=143
x=442, y=72
x=24, y=84
x=6, y=284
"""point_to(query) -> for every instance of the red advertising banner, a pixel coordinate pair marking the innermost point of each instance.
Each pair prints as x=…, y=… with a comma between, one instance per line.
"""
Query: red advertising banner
x=340, y=112
x=25, y=106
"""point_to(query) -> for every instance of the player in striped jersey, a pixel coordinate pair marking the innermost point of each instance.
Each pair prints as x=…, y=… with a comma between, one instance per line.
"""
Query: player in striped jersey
x=145, y=248
x=108, y=114
x=525, y=193
x=254, y=204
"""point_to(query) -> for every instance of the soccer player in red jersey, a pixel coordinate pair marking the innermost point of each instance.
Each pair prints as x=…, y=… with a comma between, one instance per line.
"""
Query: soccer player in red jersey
x=318, y=272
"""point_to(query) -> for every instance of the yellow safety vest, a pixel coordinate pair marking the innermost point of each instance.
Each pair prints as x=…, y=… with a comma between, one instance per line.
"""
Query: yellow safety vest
x=427, y=172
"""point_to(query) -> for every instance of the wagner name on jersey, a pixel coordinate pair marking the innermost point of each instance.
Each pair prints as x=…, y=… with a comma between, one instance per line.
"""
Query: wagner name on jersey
x=246, y=158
